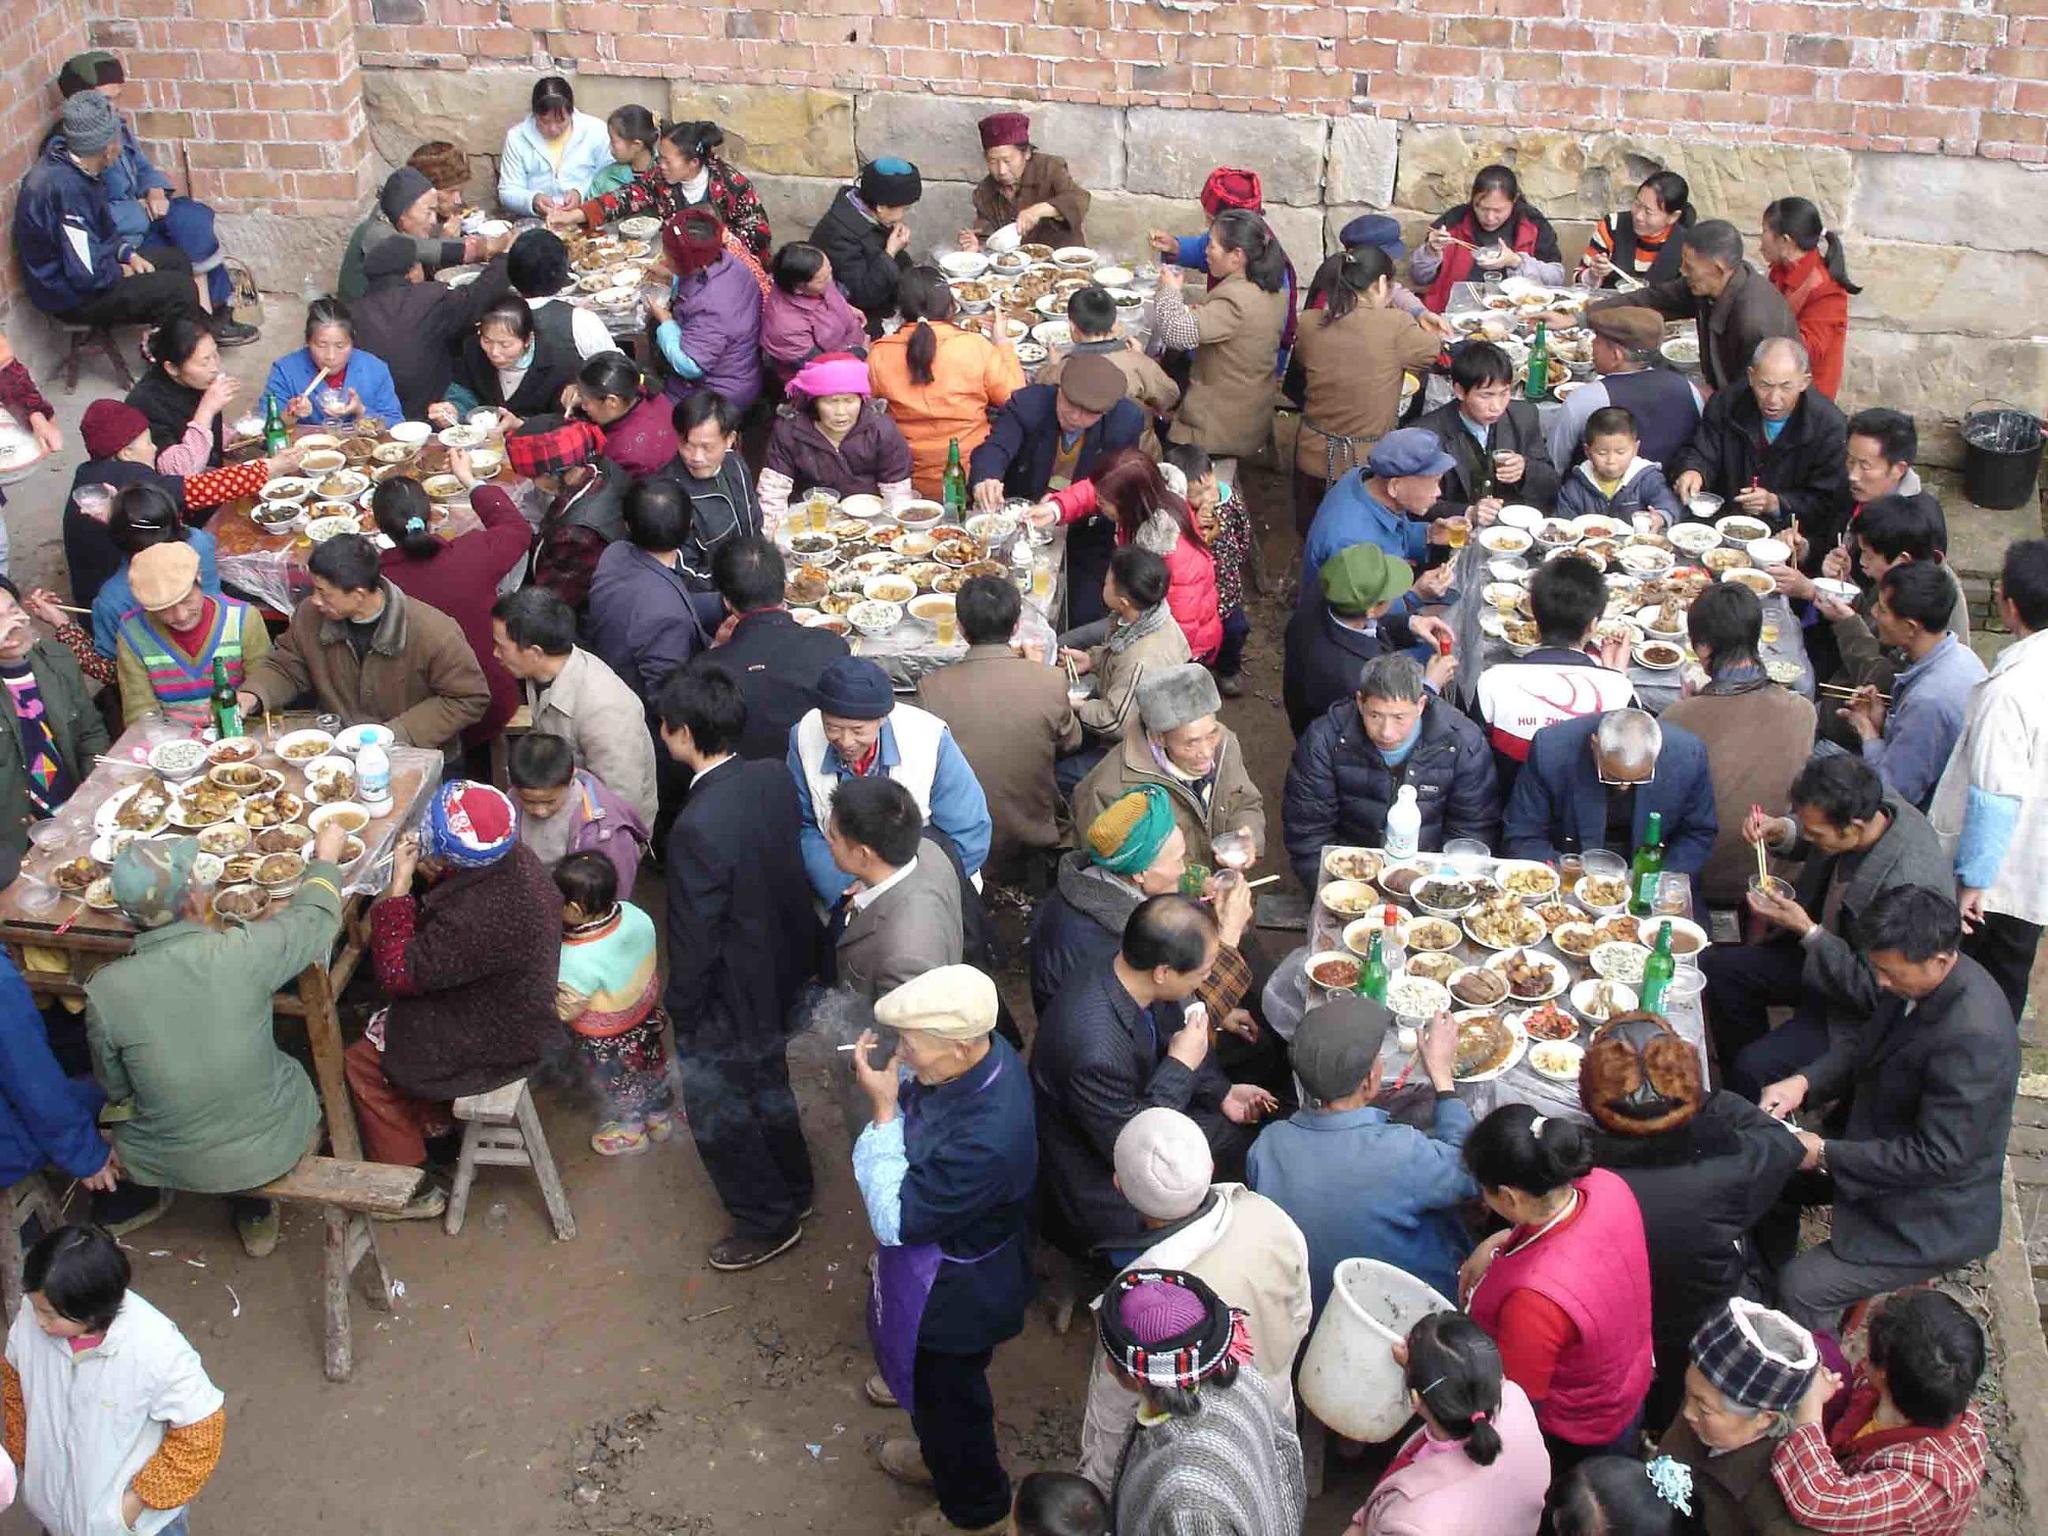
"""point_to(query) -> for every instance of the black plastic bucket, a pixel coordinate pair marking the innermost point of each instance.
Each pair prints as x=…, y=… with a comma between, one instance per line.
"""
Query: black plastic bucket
x=2001, y=454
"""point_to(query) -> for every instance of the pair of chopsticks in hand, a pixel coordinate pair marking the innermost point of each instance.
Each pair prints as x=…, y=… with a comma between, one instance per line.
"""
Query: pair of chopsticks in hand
x=1763, y=858
x=1839, y=691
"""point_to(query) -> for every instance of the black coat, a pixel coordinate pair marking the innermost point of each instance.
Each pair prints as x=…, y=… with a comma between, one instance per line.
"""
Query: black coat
x=89, y=553
x=417, y=329
x=1321, y=659
x=170, y=407
x=1748, y=311
x=743, y=938
x=1701, y=1189
x=1093, y=1067
x=1339, y=787
x=861, y=264
x=1078, y=927
x=776, y=662
x=1918, y=1166
x=1019, y=448
x=1805, y=466
x=1519, y=431
x=556, y=362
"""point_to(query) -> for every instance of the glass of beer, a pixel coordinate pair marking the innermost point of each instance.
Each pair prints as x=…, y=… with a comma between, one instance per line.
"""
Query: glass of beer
x=1456, y=531
x=818, y=508
x=1041, y=579
x=946, y=625
x=1770, y=633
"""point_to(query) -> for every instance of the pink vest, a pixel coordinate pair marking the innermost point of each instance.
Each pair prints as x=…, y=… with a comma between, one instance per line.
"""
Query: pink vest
x=1597, y=1269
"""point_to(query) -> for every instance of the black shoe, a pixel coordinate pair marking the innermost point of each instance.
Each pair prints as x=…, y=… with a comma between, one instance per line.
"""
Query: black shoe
x=1230, y=685
x=737, y=1252
x=229, y=332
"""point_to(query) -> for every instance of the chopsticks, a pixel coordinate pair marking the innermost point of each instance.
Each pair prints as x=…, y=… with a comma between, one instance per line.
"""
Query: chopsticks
x=1253, y=885
x=1763, y=865
x=1839, y=691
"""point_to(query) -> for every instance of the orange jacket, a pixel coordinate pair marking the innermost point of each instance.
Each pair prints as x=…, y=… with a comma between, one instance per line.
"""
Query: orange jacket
x=971, y=376
x=1821, y=306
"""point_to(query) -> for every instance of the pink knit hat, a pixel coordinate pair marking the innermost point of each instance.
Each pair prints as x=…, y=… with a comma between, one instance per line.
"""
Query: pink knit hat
x=1157, y=1311
x=832, y=373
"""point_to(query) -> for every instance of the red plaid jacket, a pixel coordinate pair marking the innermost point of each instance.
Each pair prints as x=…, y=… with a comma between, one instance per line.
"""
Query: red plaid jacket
x=1890, y=1482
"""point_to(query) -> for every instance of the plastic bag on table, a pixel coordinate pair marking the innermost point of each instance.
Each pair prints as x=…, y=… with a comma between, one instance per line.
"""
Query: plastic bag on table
x=1034, y=629
x=264, y=575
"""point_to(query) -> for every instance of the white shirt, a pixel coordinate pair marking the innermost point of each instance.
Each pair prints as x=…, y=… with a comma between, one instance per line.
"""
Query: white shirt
x=869, y=894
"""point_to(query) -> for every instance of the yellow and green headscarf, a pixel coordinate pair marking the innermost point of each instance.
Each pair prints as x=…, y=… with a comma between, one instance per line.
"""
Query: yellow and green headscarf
x=1131, y=830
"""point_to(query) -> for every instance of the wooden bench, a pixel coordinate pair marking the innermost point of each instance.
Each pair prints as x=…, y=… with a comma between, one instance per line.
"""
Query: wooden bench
x=348, y=1194
x=502, y=1128
x=93, y=338
x=28, y=1197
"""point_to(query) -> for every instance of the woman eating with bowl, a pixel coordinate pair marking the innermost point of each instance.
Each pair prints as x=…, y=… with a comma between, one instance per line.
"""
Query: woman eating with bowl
x=1494, y=233
x=328, y=382
x=688, y=172
x=639, y=428
x=1640, y=244
x=709, y=327
x=511, y=366
x=185, y=395
x=833, y=435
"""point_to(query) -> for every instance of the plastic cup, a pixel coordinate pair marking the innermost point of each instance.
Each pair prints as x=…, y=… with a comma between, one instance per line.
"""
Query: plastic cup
x=1599, y=861
x=947, y=627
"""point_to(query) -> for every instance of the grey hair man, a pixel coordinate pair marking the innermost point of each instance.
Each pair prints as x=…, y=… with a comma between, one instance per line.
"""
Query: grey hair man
x=1599, y=780
x=1732, y=304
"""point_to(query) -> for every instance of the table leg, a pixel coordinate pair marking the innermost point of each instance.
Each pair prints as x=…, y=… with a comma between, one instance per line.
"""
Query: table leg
x=323, y=1034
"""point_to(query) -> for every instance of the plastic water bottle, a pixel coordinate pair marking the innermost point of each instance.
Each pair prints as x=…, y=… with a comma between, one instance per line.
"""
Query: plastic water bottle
x=1404, y=824
x=373, y=779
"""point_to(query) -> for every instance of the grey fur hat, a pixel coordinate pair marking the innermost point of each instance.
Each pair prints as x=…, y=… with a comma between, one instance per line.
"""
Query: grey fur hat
x=1176, y=697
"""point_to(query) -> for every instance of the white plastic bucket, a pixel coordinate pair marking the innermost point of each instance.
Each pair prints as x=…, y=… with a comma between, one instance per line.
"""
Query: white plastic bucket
x=1348, y=1378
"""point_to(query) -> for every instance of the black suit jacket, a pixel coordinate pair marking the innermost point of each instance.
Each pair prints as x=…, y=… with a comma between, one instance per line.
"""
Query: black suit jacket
x=1519, y=431
x=743, y=938
x=1020, y=447
x=1918, y=1168
x=776, y=662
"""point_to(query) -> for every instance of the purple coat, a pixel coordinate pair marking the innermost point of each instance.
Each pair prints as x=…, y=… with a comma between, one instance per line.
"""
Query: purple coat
x=605, y=824
x=873, y=455
x=643, y=441
x=718, y=312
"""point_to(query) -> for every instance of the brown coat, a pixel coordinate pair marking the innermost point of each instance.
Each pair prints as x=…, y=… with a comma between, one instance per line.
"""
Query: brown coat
x=1010, y=717
x=419, y=676
x=1046, y=179
x=1756, y=744
x=1734, y=1493
x=1118, y=673
x=1144, y=380
x=1231, y=391
x=1748, y=311
x=1234, y=802
x=1354, y=370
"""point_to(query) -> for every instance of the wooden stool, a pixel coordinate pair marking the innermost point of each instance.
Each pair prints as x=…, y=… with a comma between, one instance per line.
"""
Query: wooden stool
x=348, y=1194
x=93, y=338
x=30, y=1197
x=502, y=1128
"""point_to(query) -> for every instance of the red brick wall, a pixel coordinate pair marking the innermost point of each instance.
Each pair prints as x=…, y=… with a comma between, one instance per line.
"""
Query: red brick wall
x=35, y=37
x=1948, y=76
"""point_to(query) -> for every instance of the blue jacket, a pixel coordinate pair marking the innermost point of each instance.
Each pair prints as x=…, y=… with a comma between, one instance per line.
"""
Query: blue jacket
x=1020, y=446
x=958, y=808
x=970, y=1163
x=127, y=179
x=1361, y=1186
x=115, y=597
x=646, y=619
x=524, y=168
x=1643, y=489
x=45, y=1117
x=1930, y=702
x=1349, y=516
x=1559, y=795
x=64, y=233
x=365, y=374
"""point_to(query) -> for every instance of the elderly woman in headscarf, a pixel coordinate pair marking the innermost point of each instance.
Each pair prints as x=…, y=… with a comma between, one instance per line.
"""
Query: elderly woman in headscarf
x=180, y=1027
x=834, y=435
x=946, y=1167
x=709, y=328
x=1704, y=1168
x=1211, y=1450
x=408, y=207
x=469, y=967
x=1749, y=1368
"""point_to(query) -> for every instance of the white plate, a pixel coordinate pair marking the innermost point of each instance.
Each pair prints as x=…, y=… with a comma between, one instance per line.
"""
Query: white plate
x=1585, y=992
x=104, y=819
x=1504, y=541
x=1517, y=515
x=1114, y=277
x=641, y=227
x=1519, y=1050
x=1643, y=660
x=352, y=739
x=1547, y=1059
x=1560, y=973
x=1051, y=334
x=1619, y=962
x=286, y=488
x=860, y=505
x=1694, y=538
x=1075, y=256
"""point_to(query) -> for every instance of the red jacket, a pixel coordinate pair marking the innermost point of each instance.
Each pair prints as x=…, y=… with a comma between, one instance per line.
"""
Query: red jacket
x=1849, y=1483
x=1821, y=306
x=462, y=581
x=1457, y=259
x=1596, y=1269
x=1190, y=571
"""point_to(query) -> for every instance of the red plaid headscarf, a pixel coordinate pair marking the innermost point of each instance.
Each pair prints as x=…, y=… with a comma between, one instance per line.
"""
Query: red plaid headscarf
x=549, y=445
x=1229, y=187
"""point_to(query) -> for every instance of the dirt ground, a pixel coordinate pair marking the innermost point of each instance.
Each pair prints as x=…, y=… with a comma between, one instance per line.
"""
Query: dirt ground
x=613, y=1384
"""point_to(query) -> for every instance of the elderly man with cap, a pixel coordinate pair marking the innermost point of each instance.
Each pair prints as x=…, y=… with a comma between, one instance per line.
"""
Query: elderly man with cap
x=181, y=1030
x=946, y=1168
x=172, y=642
x=75, y=262
x=1704, y=1168
x=1359, y=1183
x=408, y=208
x=1351, y=764
x=1119, y=1037
x=1384, y=502
x=145, y=203
x=1749, y=1367
x=1026, y=195
x=367, y=652
x=1366, y=611
x=1178, y=743
x=1597, y=780
x=416, y=324
x=1132, y=851
x=1247, y=1250
x=1772, y=445
x=1631, y=373
x=859, y=729
x=865, y=235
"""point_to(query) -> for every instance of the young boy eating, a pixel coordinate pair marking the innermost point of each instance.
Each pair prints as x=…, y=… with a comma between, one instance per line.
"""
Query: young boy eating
x=1613, y=479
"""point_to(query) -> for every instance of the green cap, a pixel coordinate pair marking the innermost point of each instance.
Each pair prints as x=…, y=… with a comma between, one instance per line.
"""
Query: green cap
x=1357, y=579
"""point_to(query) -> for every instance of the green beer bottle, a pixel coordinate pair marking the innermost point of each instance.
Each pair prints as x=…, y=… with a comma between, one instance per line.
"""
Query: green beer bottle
x=1538, y=383
x=1657, y=971
x=1372, y=976
x=227, y=708
x=274, y=434
x=1648, y=866
x=954, y=488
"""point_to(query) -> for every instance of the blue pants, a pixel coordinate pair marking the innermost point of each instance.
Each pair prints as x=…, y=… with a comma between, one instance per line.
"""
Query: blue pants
x=1237, y=629
x=188, y=226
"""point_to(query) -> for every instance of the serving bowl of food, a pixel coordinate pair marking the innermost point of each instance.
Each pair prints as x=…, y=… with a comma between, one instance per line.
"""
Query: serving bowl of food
x=286, y=488
x=278, y=808
x=303, y=746
x=1444, y=895
x=242, y=778
x=1694, y=539
x=1417, y=1000
x=1359, y=933
x=889, y=589
x=1532, y=977
x=178, y=759
x=875, y=618
x=1546, y=1021
x=224, y=838
x=280, y=871
x=1432, y=965
x=1348, y=898
x=321, y=529
x=1502, y=922
x=323, y=461
x=1475, y=986
x=1558, y=1060
x=240, y=903
x=1436, y=935
x=963, y=264
x=920, y=514
x=276, y=516
x=1619, y=962
x=1351, y=863
x=1687, y=938
x=463, y=435
x=1599, y=999
x=1334, y=971
x=1526, y=879
x=1488, y=1045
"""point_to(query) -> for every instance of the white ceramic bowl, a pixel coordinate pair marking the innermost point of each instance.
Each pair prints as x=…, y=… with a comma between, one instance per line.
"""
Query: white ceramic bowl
x=1585, y=998
x=1517, y=515
x=1768, y=552
x=966, y=264
x=874, y=618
